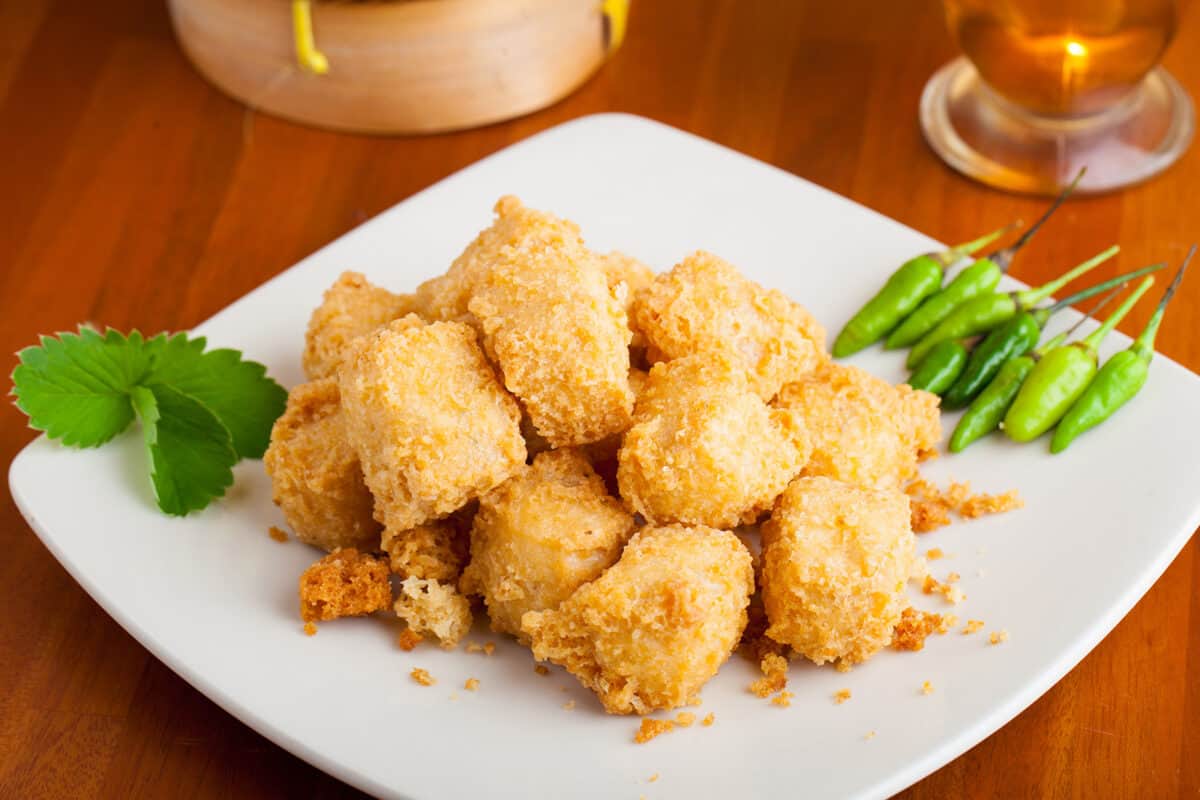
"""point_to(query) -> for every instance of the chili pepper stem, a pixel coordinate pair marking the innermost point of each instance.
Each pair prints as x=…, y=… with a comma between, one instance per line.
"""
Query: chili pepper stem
x=955, y=252
x=1030, y=297
x=1003, y=258
x=1092, y=340
x=1144, y=343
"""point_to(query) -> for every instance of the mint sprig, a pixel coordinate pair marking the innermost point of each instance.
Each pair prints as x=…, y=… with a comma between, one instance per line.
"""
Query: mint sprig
x=200, y=411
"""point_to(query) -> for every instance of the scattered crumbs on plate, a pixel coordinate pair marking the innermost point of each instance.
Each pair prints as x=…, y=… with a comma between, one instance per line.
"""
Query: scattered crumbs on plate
x=926, y=688
x=934, y=553
x=996, y=637
x=972, y=626
x=471, y=685
x=489, y=648
x=652, y=778
x=422, y=676
x=774, y=669
x=542, y=669
x=408, y=639
x=841, y=696
x=651, y=728
x=696, y=701
x=952, y=593
x=916, y=626
x=870, y=735
x=569, y=705
x=310, y=629
x=685, y=719
x=277, y=533
x=473, y=647
x=783, y=699
x=708, y=720
x=953, y=577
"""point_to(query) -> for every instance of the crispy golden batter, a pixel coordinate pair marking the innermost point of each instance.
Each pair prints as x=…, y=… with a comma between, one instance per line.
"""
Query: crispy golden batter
x=704, y=449
x=835, y=561
x=541, y=535
x=516, y=228
x=430, y=607
x=864, y=430
x=704, y=305
x=315, y=474
x=435, y=551
x=352, y=307
x=431, y=425
x=650, y=631
x=345, y=583
x=560, y=338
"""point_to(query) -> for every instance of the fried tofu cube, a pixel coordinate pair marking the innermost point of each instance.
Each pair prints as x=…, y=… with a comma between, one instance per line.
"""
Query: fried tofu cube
x=345, y=583
x=434, y=608
x=560, y=338
x=315, y=474
x=864, y=430
x=652, y=630
x=542, y=534
x=835, y=560
x=431, y=424
x=437, y=550
x=351, y=308
x=516, y=228
x=704, y=449
x=705, y=305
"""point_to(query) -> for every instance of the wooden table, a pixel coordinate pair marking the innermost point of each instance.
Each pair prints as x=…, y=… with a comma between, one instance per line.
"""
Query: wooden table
x=136, y=195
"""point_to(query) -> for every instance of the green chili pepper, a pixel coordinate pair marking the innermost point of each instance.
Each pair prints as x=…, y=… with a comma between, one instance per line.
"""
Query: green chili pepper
x=988, y=310
x=989, y=408
x=915, y=280
x=1016, y=337
x=1121, y=377
x=940, y=368
x=1061, y=376
x=979, y=278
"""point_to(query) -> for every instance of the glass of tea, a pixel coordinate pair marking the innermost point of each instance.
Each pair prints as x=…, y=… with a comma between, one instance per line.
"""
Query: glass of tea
x=1049, y=86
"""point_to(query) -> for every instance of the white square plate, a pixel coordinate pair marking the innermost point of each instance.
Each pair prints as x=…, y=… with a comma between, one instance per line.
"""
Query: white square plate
x=215, y=598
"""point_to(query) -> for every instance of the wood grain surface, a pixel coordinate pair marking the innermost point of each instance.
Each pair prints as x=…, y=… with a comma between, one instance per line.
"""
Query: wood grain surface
x=136, y=195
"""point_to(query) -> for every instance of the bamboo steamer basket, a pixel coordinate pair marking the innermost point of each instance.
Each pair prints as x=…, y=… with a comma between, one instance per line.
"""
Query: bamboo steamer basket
x=400, y=66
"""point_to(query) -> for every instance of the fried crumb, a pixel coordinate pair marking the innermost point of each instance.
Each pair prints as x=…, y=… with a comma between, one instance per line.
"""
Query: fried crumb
x=652, y=778
x=972, y=626
x=934, y=553
x=870, y=735
x=489, y=648
x=774, y=669
x=473, y=647
x=422, y=677
x=931, y=506
x=996, y=637
x=471, y=685
x=345, y=583
x=948, y=622
x=409, y=639
x=953, y=577
x=783, y=699
x=708, y=720
x=915, y=627
x=569, y=705
x=696, y=701
x=651, y=728
x=542, y=669
x=841, y=696
x=926, y=688
x=952, y=593
x=310, y=629
x=685, y=719
x=278, y=534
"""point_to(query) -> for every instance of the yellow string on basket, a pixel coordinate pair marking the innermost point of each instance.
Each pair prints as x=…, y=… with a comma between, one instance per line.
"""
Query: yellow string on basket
x=310, y=58
x=617, y=13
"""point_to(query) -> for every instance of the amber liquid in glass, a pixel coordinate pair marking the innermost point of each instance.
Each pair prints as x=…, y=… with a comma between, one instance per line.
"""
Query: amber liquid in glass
x=1062, y=58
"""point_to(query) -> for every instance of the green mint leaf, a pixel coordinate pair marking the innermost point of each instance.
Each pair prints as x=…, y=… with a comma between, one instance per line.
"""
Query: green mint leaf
x=76, y=387
x=238, y=392
x=191, y=453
